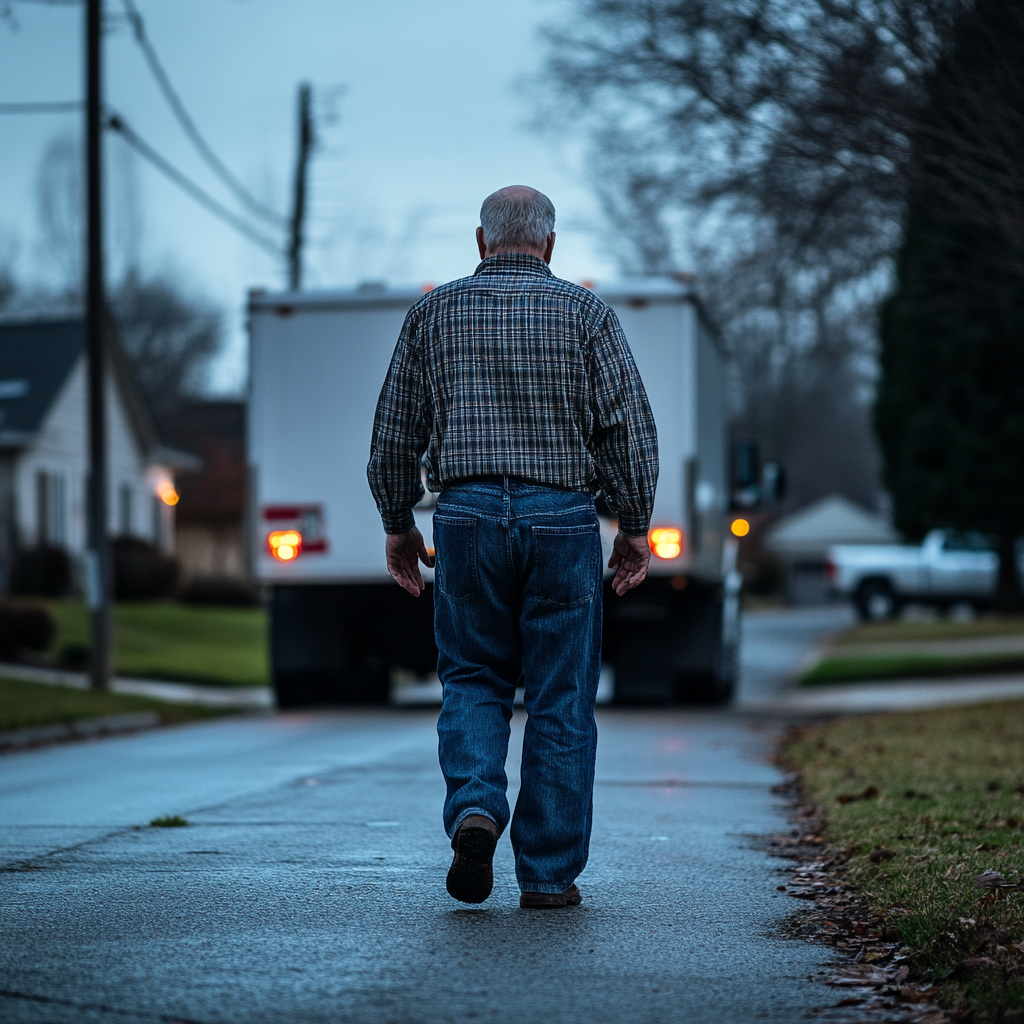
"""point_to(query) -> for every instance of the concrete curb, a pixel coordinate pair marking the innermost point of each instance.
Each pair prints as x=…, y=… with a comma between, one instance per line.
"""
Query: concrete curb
x=87, y=728
x=891, y=695
x=244, y=697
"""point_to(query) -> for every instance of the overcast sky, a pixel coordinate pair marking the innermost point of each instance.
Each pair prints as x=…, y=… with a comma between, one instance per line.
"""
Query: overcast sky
x=432, y=119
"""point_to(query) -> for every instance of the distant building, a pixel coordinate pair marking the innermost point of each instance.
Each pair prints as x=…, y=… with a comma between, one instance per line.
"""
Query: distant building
x=44, y=447
x=211, y=514
x=801, y=541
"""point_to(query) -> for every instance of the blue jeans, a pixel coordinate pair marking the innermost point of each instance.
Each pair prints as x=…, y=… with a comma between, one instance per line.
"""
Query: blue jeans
x=517, y=598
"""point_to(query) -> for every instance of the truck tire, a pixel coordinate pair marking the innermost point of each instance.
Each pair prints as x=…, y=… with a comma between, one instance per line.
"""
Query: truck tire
x=876, y=601
x=671, y=641
x=339, y=644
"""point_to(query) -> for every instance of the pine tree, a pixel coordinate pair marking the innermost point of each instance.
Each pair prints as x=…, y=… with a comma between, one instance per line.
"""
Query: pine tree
x=950, y=407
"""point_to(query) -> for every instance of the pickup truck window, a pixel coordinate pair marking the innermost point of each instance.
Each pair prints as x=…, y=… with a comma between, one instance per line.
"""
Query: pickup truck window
x=967, y=540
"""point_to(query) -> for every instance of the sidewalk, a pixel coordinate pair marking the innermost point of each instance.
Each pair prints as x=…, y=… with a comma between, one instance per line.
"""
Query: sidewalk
x=245, y=697
x=889, y=695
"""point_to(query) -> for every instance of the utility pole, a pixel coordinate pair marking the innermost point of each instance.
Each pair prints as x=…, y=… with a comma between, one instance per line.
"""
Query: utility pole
x=98, y=553
x=306, y=142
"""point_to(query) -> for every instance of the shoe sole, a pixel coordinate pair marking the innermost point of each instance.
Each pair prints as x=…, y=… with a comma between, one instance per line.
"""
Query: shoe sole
x=550, y=900
x=471, y=876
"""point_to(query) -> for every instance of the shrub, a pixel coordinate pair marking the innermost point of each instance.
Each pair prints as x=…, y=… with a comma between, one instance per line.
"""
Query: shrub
x=43, y=571
x=24, y=628
x=75, y=656
x=141, y=571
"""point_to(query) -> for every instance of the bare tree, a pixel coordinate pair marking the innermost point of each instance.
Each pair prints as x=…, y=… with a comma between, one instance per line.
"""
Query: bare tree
x=169, y=338
x=767, y=143
x=169, y=335
x=59, y=199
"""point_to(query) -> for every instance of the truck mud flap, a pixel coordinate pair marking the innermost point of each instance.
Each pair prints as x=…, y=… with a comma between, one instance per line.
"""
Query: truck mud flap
x=339, y=644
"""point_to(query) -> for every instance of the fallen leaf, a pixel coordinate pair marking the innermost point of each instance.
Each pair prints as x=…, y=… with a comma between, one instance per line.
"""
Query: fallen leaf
x=851, y=1001
x=992, y=880
x=967, y=921
x=880, y=853
x=978, y=961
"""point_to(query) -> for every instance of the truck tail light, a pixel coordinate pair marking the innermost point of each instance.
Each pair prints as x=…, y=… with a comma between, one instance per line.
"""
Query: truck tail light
x=285, y=545
x=831, y=571
x=666, y=542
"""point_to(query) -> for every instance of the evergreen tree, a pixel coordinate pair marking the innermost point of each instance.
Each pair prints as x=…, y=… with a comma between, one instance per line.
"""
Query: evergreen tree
x=950, y=406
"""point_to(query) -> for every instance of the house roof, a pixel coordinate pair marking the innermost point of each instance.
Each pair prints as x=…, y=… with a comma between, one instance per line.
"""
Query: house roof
x=36, y=359
x=37, y=355
x=811, y=531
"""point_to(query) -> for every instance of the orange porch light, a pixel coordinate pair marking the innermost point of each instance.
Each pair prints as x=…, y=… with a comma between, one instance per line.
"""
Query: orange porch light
x=740, y=527
x=167, y=494
x=666, y=542
x=285, y=545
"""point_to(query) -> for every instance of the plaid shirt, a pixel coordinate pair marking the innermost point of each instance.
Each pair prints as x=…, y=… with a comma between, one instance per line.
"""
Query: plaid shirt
x=513, y=372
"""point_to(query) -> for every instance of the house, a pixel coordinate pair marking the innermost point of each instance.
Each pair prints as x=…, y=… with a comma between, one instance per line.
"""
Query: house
x=44, y=446
x=801, y=541
x=210, y=535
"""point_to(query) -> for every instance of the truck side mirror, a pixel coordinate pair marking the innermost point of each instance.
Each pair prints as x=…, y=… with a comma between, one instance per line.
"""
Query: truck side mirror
x=746, y=474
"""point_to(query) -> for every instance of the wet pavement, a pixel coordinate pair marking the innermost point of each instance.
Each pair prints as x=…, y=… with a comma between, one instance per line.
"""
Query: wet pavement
x=309, y=885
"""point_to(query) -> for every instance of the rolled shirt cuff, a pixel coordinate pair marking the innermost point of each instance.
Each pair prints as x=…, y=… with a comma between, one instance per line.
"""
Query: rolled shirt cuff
x=399, y=522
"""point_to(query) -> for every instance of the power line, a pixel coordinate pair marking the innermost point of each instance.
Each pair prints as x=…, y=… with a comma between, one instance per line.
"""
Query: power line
x=118, y=124
x=248, y=200
x=54, y=107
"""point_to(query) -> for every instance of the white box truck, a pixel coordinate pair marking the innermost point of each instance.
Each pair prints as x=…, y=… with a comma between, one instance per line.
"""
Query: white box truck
x=341, y=630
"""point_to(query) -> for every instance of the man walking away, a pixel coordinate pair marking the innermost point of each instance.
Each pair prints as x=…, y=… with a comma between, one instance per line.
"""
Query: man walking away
x=521, y=390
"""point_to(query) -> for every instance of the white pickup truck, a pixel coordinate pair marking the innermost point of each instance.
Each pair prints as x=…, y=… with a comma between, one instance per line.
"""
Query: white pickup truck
x=950, y=567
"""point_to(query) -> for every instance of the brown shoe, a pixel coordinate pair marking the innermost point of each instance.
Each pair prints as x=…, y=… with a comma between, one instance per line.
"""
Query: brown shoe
x=550, y=900
x=471, y=876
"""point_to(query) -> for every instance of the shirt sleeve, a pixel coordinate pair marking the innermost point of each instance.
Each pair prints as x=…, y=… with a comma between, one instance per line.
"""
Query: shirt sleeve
x=401, y=432
x=624, y=442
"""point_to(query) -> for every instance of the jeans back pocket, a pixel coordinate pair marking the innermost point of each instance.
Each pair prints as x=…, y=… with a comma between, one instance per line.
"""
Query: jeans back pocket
x=456, y=574
x=566, y=564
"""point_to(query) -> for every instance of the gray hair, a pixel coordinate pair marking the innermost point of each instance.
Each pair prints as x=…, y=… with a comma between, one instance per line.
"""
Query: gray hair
x=517, y=217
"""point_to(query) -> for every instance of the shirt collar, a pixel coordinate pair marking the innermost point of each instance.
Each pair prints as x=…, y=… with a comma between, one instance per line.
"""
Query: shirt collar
x=513, y=263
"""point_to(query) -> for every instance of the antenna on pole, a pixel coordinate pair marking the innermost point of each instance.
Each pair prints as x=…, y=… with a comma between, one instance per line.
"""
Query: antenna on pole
x=97, y=564
x=306, y=142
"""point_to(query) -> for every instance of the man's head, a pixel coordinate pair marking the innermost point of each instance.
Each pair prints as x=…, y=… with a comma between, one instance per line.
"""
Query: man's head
x=517, y=219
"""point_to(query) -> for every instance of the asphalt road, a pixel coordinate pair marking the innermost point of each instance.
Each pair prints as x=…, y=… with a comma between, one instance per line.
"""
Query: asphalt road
x=310, y=884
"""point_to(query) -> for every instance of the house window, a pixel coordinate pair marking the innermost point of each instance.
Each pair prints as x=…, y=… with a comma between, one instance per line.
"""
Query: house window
x=51, y=513
x=125, y=510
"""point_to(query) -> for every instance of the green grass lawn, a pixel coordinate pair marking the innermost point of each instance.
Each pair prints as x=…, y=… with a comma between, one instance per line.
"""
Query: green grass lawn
x=162, y=640
x=849, y=668
x=23, y=705
x=845, y=664
x=949, y=807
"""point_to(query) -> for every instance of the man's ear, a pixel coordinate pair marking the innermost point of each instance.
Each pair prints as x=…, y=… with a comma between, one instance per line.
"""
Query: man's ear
x=549, y=248
x=481, y=244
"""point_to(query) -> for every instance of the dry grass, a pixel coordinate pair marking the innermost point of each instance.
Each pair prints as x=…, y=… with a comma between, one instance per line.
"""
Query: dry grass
x=948, y=807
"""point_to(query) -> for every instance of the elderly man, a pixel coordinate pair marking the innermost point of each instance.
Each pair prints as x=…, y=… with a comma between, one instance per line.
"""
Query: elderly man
x=521, y=390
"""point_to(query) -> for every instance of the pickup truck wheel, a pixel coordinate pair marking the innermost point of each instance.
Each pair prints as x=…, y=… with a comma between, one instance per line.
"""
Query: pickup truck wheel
x=876, y=601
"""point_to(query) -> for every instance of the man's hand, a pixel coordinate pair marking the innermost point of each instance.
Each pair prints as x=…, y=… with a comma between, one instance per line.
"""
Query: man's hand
x=403, y=550
x=631, y=556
